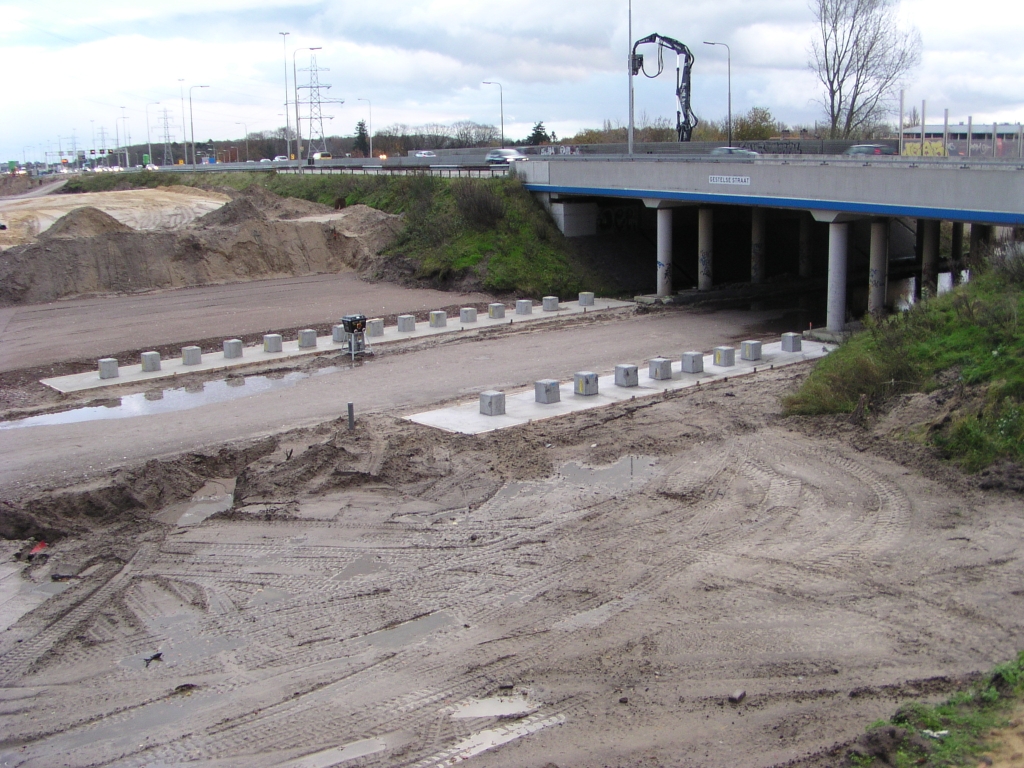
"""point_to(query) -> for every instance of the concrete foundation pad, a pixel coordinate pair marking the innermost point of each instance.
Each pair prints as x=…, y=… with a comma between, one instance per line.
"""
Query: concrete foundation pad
x=275, y=349
x=521, y=408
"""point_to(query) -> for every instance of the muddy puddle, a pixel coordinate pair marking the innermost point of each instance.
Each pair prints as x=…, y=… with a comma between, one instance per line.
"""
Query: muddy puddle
x=498, y=706
x=409, y=632
x=193, y=395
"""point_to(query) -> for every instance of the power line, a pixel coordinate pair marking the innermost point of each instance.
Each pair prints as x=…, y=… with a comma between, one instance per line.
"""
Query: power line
x=317, y=138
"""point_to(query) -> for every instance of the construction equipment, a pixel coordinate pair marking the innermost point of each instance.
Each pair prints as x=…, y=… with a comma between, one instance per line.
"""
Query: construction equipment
x=686, y=121
x=354, y=338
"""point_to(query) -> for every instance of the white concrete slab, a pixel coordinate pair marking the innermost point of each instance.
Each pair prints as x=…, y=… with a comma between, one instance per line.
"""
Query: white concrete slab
x=521, y=407
x=215, y=361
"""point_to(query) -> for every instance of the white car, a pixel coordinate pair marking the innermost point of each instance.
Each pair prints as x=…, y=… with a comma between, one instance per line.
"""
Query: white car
x=425, y=153
x=281, y=159
x=504, y=157
x=152, y=167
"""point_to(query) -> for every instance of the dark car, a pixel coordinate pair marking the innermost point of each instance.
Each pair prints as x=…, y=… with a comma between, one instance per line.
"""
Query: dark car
x=733, y=152
x=870, y=149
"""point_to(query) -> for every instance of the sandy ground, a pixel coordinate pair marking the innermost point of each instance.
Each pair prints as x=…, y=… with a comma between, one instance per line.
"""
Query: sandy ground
x=165, y=208
x=586, y=591
x=249, y=583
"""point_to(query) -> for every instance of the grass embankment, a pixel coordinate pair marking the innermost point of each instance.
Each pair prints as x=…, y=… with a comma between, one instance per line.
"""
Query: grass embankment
x=971, y=338
x=948, y=734
x=490, y=231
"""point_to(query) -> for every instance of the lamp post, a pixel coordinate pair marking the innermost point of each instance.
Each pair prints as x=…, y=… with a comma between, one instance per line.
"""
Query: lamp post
x=191, y=122
x=501, y=102
x=370, y=129
x=124, y=120
x=246, y=129
x=629, y=44
x=149, y=138
x=729, y=61
x=287, y=126
x=184, y=138
x=298, y=127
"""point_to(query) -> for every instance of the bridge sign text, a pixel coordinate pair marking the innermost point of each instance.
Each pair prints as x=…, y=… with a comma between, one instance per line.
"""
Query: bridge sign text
x=735, y=180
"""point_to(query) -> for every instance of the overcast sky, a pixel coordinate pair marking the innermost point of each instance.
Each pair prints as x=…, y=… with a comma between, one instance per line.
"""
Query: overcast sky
x=70, y=65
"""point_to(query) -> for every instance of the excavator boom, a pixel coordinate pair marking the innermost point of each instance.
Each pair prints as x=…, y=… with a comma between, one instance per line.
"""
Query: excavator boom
x=686, y=121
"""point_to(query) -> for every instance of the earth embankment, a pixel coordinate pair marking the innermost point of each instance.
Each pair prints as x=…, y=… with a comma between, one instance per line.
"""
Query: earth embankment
x=89, y=252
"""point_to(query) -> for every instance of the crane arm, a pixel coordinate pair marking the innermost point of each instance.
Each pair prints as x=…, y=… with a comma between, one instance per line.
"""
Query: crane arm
x=686, y=120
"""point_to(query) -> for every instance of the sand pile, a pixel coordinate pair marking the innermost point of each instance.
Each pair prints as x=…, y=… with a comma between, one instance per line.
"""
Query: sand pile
x=90, y=252
x=85, y=222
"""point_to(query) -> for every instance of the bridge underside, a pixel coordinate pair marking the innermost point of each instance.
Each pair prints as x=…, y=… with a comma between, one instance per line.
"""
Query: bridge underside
x=877, y=223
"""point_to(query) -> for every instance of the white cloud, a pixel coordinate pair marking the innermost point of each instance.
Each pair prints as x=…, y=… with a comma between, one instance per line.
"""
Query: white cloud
x=71, y=62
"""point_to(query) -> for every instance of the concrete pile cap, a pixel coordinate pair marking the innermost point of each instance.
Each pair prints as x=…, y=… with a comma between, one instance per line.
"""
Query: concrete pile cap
x=406, y=323
x=191, y=355
x=307, y=338
x=375, y=327
x=547, y=391
x=792, y=342
x=550, y=303
x=724, y=357
x=108, y=368
x=495, y=311
x=467, y=315
x=660, y=368
x=150, y=361
x=232, y=348
x=272, y=342
x=584, y=383
x=627, y=375
x=586, y=299
x=438, y=318
x=750, y=350
x=492, y=403
x=524, y=307
x=693, y=362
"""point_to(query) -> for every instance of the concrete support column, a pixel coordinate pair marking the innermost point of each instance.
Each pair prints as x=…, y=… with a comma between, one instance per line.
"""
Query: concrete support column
x=806, y=223
x=981, y=235
x=956, y=251
x=918, y=258
x=930, y=258
x=664, y=251
x=878, y=271
x=705, y=248
x=757, y=216
x=838, y=235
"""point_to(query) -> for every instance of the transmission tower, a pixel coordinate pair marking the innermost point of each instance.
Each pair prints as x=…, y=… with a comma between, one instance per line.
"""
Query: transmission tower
x=168, y=155
x=317, y=137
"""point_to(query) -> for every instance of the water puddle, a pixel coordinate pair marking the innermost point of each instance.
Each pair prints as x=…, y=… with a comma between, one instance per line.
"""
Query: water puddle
x=19, y=596
x=614, y=477
x=335, y=755
x=409, y=632
x=268, y=595
x=501, y=706
x=216, y=496
x=194, y=395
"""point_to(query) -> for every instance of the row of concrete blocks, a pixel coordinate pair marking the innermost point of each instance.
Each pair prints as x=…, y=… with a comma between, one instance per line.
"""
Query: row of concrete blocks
x=273, y=342
x=584, y=383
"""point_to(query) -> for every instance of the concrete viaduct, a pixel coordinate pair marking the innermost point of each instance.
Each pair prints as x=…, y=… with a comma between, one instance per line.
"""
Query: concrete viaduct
x=832, y=189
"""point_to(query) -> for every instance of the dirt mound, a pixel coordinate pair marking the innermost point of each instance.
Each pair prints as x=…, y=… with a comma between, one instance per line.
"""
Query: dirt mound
x=85, y=222
x=238, y=211
x=246, y=245
x=278, y=207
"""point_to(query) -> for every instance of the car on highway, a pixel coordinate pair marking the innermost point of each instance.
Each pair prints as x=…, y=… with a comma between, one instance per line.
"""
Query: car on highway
x=504, y=157
x=733, y=152
x=265, y=160
x=152, y=167
x=322, y=156
x=425, y=153
x=281, y=159
x=870, y=149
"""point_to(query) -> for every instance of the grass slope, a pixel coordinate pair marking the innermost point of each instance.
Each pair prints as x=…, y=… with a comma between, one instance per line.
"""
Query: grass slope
x=952, y=733
x=972, y=338
x=489, y=232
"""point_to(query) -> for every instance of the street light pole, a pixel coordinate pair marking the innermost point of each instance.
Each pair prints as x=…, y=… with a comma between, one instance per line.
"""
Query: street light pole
x=246, y=129
x=370, y=129
x=501, y=102
x=125, y=121
x=184, y=138
x=191, y=122
x=149, y=138
x=630, y=59
x=729, y=70
x=287, y=126
x=298, y=127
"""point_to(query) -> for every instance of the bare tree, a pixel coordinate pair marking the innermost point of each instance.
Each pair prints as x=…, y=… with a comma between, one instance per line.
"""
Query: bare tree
x=861, y=59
